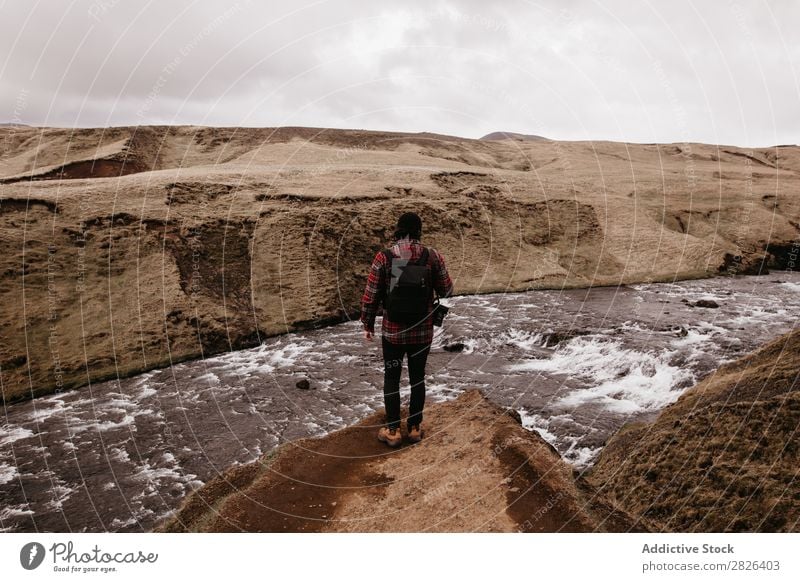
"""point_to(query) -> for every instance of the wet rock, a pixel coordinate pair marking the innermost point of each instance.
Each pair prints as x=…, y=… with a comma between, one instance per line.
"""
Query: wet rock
x=782, y=256
x=303, y=384
x=554, y=338
x=681, y=332
x=515, y=415
x=455, y=347
x=176, y=490
x=748, y=264
x=708, y=303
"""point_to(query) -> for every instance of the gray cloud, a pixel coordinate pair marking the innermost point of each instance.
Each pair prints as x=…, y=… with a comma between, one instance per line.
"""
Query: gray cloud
x=716, y=71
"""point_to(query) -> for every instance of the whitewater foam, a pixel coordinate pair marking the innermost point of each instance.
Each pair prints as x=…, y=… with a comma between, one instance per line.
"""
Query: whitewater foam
x=440, y=392
x=117, y=523
x=491, y=343
x=791, y=286
x=60, y=493
x=581, y=457
x=47, y=408
x=119, y=454
x=7, y=473
x=11, y=434
x=538, y=423
x=208, y=377
x=13, y=511
x=150, y=474
x=128, y=420
x=146, y=392
x=624, y=380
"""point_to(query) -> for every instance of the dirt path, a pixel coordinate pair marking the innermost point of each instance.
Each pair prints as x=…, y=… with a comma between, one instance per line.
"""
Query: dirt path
x=476, y=470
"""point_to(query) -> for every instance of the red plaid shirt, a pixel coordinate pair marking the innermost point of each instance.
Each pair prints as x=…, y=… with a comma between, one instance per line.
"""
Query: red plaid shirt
x=401, y=333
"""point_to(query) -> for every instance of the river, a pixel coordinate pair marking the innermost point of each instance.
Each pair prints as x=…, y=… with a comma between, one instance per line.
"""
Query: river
x=576, y=364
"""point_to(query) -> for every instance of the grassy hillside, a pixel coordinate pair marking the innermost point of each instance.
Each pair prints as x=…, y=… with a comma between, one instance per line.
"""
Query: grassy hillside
x=124, y=249
x=723, y=457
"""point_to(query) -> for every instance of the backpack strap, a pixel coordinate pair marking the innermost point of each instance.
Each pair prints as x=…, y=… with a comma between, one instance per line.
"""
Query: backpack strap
x=387, y=255
x=423, y=258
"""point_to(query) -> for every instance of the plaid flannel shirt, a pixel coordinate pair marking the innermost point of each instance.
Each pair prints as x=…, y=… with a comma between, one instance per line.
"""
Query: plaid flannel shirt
x=378, y=281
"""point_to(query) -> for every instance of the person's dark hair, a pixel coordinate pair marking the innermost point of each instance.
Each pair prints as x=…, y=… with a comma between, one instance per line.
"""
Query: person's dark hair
x=409, y=224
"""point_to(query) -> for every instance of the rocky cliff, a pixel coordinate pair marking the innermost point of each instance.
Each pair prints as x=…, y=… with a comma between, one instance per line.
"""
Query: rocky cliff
x=125, y=249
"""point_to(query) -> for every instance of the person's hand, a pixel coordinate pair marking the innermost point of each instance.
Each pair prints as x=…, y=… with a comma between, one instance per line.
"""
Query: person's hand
x=368, y=335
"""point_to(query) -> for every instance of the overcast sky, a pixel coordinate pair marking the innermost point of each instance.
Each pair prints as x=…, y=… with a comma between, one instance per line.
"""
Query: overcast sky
x=714, y=71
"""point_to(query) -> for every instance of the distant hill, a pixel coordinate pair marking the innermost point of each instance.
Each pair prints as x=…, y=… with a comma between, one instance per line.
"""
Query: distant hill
x=498, y=135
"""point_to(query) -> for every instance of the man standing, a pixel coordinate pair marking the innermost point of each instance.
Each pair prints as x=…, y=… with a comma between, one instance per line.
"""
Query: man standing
x=404, y=278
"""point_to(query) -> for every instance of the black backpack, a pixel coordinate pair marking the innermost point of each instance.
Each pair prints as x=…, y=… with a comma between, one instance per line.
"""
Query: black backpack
x=410, y=288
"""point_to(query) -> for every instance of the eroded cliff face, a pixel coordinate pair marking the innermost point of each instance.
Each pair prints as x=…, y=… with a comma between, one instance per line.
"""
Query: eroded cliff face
x=126, y=249
x=723, y=457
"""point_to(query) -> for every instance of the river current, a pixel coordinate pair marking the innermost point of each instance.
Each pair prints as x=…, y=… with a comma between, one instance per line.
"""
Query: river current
x=576, y=365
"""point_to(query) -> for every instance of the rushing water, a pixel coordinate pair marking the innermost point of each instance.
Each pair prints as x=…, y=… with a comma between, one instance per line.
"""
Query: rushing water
x=576, y=364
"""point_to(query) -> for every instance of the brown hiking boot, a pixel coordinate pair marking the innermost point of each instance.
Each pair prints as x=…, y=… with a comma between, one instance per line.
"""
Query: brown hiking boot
x=415, y=433
x=390, y=436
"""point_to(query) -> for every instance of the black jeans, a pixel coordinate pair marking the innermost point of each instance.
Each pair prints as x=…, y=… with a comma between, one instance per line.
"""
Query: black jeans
x=392, y=366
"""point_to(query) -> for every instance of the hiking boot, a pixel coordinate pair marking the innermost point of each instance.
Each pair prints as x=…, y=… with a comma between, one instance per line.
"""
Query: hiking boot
x=415, y=433
x=390, y=436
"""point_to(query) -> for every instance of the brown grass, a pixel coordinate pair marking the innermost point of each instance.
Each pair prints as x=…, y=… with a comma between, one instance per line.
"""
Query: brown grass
x=723, y=458
x=225, y=235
